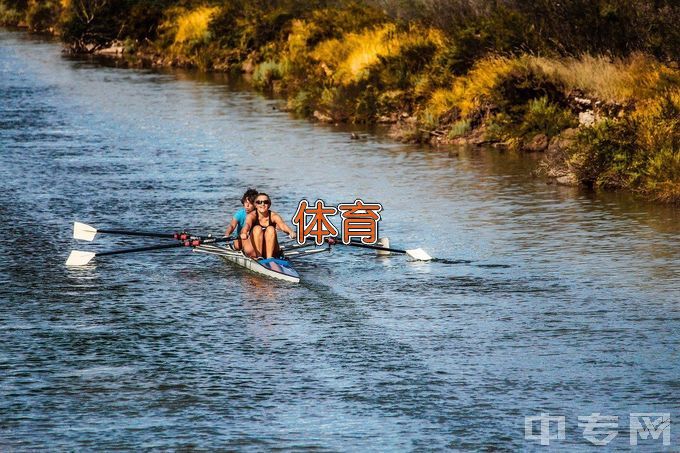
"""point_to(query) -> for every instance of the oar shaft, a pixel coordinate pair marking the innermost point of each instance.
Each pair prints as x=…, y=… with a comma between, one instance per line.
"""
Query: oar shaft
x=142, y=249
x=374, y=247
x=417, y=254
x=138, y=233
x=194, y=242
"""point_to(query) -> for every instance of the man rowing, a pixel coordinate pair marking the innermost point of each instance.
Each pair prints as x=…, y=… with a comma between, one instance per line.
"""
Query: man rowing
x=239, y=220
x=261, y=226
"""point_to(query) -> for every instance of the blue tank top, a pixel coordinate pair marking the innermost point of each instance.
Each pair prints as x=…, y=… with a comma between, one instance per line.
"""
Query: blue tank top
x=240, y=217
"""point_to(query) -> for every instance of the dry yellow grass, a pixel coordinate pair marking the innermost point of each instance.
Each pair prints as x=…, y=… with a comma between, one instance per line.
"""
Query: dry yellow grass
x=612, y=80
x=469, y=91
x=192, y=26
x=349, y=59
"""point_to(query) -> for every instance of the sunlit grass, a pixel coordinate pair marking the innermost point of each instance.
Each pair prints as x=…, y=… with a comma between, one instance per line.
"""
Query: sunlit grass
x=620, y=80
x=607, y=79
x=468, y=92
x=350, y=58
x=192, y=26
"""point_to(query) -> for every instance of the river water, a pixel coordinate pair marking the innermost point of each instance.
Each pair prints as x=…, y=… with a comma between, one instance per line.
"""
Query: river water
x=543, y=299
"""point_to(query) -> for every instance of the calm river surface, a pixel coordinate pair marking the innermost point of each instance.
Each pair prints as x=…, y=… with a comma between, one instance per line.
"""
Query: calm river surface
x=544, y=299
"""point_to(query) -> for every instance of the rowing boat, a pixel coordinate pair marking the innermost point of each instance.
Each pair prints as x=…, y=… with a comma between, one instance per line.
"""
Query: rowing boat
x=278, y=268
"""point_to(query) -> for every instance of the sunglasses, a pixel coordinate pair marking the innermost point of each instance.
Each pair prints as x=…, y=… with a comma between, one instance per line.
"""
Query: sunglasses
x=263, y=202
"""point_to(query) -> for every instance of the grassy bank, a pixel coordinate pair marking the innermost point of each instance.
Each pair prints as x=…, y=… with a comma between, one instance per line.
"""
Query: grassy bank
x=601, y=104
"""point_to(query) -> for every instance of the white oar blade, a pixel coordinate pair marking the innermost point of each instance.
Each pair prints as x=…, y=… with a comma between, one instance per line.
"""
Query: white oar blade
x=419, y=254
x=83, y=232
x=383, y=242
x=78, y=258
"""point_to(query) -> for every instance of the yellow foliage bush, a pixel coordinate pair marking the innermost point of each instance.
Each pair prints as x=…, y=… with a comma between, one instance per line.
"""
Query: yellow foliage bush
x=192, y=26
x=300, y=33
x=350, y=59
x=470, y=91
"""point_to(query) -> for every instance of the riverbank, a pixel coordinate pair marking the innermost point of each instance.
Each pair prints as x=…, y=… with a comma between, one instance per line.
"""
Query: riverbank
x=600, y=121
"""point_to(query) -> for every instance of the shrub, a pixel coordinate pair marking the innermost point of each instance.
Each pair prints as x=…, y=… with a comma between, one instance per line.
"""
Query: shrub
x=543, y=116
x=267, y=72
x=399, y=70
x=459, y=128
x=12, y=12
x=392, y=101
x=259, y=28
x=658, y=133
x=641, y=151
x=353, y=16
x=42, y=16
x=334, y=22
x=442, y=101
x=349, y=58
x=304, y=102
x=502, y=31
x=499, y=127
x=469, y=94
x=192, y=26
x=224, y=25
x=142, y=19
x=663, y=175
x=605, y=154
x=333, y=101
x=366, y=105
x=358, y=56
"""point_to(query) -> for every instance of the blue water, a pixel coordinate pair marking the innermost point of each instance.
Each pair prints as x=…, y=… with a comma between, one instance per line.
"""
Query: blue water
x=542, y=299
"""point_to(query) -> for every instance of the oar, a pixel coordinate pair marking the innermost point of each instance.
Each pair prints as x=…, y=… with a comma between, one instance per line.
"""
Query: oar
x=418, y=254
x=80, y=258
x=86, y=232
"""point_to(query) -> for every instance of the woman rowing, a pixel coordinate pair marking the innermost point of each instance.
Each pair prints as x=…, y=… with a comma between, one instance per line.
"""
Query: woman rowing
x=261, y=225
x=239, y=220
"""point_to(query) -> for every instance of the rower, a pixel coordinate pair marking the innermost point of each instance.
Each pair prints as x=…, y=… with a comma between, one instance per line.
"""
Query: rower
x=239, y=220
x=261, y=225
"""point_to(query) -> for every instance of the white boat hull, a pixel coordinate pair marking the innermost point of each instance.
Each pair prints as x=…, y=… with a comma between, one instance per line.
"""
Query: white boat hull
x=274, y=268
